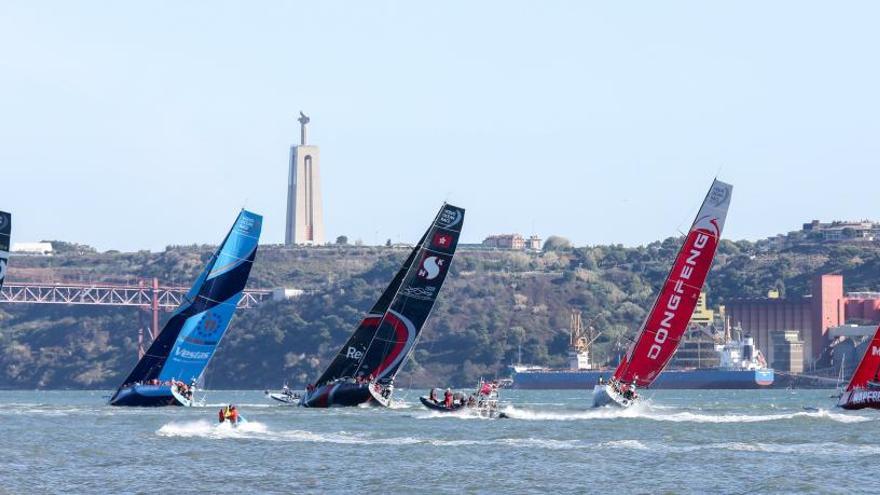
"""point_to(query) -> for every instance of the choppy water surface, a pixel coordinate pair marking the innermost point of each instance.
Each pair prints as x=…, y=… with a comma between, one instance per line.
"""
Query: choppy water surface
x=677, y=442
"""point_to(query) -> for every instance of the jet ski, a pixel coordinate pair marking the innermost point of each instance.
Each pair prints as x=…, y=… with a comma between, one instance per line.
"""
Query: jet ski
x=229, y=414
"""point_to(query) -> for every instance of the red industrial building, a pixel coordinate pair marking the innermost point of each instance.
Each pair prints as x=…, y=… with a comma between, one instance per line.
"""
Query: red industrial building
x=812, y=316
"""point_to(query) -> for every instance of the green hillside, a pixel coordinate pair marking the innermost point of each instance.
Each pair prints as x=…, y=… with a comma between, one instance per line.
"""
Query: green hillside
x=494, y=303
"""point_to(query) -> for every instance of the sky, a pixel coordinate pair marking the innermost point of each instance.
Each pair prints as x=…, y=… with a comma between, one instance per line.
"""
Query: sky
x=137, y=125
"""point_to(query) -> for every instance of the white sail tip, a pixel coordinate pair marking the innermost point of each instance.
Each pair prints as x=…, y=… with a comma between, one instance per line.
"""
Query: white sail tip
x=719, y=195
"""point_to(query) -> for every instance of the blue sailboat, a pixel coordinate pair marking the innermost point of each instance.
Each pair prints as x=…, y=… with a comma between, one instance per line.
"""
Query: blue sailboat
x=175, y=362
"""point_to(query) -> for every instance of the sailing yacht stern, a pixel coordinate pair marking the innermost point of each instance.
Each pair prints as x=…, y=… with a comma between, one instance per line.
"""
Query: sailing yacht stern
x=605, y=394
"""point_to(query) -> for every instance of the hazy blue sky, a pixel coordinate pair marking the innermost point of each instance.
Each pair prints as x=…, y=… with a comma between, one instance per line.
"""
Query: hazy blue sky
x=132, y=125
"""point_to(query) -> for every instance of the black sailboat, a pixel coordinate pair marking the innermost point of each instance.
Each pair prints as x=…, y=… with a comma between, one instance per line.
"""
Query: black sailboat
x=365, y=367
x=5, y=235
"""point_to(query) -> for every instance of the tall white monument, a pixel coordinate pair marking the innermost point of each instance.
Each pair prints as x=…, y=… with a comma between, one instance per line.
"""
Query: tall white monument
x=305, y=216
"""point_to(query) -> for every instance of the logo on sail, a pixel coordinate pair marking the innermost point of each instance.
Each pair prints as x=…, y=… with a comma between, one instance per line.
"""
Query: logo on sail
x=449, y=217
x=426, y=293
x=442, y=240
x=352, y=353
x=185, y=354
x=245, y=224
x=431, y=266
x=719, y=194
x=209, y=325
x=206, y=329
x=675, y=298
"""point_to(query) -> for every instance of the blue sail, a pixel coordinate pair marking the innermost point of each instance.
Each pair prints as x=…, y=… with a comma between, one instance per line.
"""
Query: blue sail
x=188, y=341
x=5, y=232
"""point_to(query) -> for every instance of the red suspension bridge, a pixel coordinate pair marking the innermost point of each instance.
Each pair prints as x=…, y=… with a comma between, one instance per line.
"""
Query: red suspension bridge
x=147, y=295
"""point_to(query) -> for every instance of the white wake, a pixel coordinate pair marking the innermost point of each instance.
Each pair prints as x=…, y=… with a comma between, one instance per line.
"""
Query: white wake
x=647, y=412
x=205, y=429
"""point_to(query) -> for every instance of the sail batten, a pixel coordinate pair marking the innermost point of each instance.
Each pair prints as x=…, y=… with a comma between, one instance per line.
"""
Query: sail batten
x=670, y=314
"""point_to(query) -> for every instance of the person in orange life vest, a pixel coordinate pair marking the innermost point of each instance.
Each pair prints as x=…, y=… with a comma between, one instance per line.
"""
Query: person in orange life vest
x=229, y=413
x=447, y=399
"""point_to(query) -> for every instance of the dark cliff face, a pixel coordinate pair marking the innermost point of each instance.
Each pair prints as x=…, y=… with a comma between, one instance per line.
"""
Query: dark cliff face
x=494, y=303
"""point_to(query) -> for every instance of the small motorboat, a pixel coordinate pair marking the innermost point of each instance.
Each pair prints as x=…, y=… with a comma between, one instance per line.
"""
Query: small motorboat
x=484, y=401
x=286, y=396
x=440, y=406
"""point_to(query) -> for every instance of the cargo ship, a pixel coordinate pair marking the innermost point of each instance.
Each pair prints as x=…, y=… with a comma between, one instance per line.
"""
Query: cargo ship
x=734, y=364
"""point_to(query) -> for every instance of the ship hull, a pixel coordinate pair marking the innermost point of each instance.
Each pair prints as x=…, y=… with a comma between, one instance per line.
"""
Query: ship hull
x=670, y=379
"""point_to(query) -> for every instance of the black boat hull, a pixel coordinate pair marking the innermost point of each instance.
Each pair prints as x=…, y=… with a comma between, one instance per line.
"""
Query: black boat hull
x=146, y=396
x=439, y=406
x=338, y=395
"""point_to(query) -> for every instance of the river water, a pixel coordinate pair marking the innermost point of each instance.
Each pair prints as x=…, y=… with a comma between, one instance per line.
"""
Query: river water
x=716, y=441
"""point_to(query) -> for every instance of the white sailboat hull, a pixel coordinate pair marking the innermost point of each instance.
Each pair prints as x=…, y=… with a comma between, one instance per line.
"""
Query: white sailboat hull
x=605, y=395
x=382, y=396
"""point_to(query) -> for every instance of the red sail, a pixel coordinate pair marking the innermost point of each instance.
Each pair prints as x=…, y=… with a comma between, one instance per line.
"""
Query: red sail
x=672, y=310
x=870, y=365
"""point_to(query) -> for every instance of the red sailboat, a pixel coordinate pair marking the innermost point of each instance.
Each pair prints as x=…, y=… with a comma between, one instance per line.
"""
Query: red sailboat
x=864, y=387
x=672, y=310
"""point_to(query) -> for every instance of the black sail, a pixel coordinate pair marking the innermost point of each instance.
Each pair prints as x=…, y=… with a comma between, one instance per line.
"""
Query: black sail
x=5, y=234
x=399, y=328
x=347, y=360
